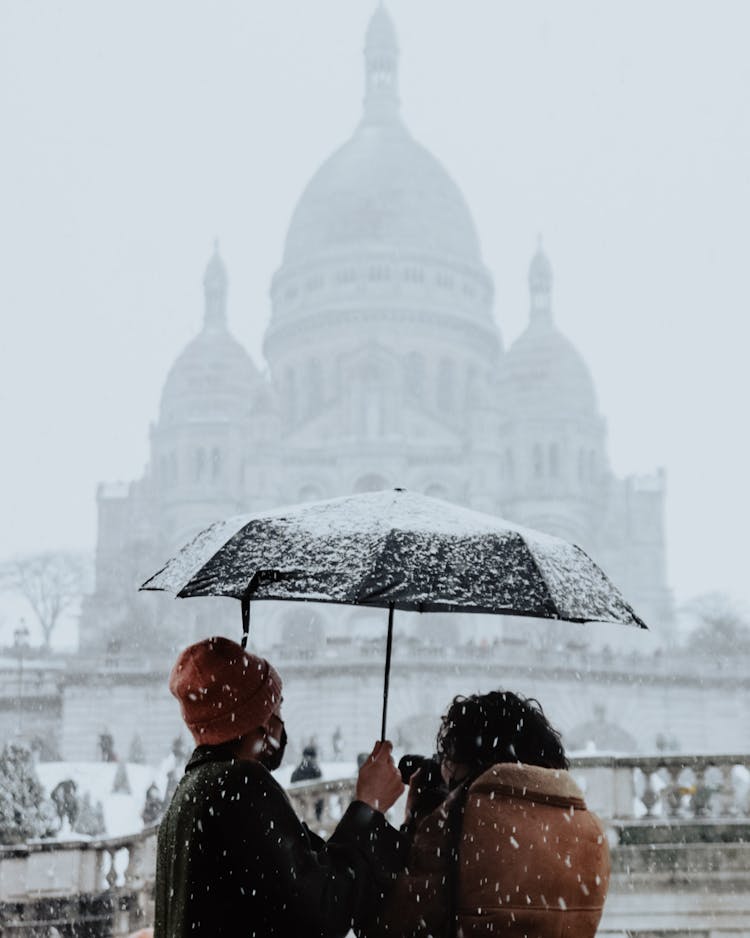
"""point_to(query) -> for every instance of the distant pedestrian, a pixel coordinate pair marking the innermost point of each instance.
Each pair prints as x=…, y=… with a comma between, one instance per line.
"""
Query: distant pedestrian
x=307, y=771
x=337, y=741
x=107, y=747
x=153, y=806
x=64, y=796
x=308, y=768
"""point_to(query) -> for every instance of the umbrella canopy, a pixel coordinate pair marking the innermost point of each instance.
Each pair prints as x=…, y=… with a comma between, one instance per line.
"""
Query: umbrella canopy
x=399, y=550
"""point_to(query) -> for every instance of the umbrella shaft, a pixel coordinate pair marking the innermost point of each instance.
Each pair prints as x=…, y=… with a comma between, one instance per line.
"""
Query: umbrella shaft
x=245, y=620
x=386, y=678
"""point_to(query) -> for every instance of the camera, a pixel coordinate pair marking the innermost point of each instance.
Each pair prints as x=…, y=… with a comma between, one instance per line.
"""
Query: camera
x=429, y=768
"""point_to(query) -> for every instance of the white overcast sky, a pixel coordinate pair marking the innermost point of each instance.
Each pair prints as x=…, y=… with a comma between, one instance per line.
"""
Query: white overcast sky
x=135, y=132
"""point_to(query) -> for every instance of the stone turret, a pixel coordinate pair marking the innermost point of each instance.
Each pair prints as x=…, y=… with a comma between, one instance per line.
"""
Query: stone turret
x=555, y=462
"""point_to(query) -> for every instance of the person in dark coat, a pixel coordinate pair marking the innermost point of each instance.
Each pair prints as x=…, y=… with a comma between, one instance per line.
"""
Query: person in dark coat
x=308, y=769
x=233, y=859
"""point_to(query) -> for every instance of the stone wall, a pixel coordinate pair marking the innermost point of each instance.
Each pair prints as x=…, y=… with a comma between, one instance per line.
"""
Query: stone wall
x=602, y=698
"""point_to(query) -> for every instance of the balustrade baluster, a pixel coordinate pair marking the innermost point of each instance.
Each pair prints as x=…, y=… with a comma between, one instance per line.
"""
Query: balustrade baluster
x=624, y=791
x=649, y=797
x=728, y=806
x=672, y=792
x=111, y=876
x=701, y=798
x=133, y=870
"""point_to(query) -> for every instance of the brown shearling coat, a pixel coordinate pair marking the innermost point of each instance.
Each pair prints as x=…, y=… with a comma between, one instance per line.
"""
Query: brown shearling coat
x=533, y=863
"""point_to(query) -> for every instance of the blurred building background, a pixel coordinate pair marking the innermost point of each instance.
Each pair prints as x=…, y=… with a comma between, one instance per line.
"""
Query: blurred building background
x=384, y=366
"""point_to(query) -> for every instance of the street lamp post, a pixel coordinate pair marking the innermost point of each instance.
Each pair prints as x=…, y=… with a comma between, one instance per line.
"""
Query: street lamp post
x=20, y=644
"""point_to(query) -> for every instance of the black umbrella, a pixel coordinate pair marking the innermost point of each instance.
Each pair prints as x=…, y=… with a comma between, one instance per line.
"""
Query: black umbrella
x=398, y=550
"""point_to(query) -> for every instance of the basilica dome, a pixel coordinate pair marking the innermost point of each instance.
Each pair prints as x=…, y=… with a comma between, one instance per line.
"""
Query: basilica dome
x=382, y=189
x=213, y=378
x=544, y=373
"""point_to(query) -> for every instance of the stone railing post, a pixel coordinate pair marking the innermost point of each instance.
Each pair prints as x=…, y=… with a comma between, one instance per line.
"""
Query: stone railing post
x=623, y=790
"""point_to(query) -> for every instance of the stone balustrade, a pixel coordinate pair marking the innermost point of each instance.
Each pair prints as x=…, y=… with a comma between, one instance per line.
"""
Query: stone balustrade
x=108, y=881
x=624, y=791
x=524, y=654
x=674, y=822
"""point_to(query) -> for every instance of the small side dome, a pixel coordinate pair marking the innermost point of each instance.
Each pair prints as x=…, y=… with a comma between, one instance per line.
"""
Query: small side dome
x=545, y=376
x=212, y=379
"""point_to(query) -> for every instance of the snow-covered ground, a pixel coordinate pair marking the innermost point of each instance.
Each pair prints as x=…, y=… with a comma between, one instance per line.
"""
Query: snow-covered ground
x=122, y=812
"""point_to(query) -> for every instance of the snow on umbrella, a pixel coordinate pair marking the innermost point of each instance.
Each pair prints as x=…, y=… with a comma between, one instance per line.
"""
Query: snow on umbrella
x=398, y=550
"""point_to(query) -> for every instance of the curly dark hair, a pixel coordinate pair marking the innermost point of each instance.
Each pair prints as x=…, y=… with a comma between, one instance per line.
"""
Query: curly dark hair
x=484, y=729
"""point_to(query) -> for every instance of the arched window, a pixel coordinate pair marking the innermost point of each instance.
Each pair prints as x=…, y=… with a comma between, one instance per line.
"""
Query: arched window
x=373, y=415
x=415, y=375
x=215, y=464
x=290, y=395
x=471, y=386
x=445, y=386
x=554, y=460
x=199, y=464
x=413, y=275
x=537, y=460
x=379, y=273
x=309, y=493
x=370, y=483
x=314, y=382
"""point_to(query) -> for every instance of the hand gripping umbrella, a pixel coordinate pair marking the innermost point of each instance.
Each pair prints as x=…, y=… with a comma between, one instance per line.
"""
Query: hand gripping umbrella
x=398, y=550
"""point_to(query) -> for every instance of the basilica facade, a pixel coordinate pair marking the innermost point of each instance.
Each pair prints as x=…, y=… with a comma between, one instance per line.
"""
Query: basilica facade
x=384, y=366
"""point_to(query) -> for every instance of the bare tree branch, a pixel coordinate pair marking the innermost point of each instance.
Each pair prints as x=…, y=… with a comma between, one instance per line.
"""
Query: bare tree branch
x=722, y=625
x=51, y=583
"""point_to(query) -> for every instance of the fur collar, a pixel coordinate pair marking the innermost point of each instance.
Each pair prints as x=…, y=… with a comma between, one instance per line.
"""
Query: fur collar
x=531, y=782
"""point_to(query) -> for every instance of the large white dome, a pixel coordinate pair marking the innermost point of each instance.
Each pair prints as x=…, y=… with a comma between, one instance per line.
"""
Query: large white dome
x=382, y=189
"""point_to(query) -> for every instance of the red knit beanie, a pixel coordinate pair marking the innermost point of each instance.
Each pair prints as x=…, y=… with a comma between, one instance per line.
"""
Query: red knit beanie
x=224, y=691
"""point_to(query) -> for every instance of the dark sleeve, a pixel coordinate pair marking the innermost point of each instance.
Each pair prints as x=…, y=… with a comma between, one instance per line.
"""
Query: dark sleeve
x=366, y=829
x=329, y=885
